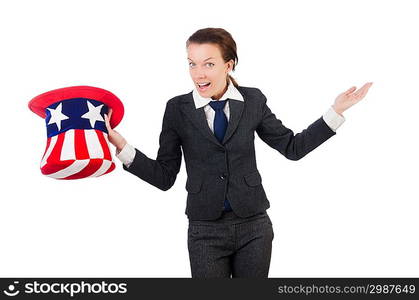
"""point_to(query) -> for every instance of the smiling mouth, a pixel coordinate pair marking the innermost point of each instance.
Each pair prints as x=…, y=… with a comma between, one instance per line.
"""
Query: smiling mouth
x=203, y=86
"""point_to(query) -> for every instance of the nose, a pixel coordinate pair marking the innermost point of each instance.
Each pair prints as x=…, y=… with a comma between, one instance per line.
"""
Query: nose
x=198, y=73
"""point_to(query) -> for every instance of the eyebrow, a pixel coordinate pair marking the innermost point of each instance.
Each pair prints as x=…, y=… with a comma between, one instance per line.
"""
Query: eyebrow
x=204, y=60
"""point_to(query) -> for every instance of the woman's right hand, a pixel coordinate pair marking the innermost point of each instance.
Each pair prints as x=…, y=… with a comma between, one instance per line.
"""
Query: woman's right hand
x=113, y=136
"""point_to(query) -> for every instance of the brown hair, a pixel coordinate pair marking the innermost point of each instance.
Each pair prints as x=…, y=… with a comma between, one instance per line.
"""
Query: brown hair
x=222, y=39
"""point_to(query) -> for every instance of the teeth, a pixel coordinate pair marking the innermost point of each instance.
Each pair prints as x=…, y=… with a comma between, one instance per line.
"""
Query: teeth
x=201, y=84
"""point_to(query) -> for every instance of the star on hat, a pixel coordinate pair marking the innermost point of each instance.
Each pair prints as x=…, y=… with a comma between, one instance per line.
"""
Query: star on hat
x=93, y=114
x=57, y=116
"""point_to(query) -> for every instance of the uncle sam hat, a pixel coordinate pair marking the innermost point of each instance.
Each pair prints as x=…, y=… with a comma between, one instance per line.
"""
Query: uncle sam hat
x=77, y=137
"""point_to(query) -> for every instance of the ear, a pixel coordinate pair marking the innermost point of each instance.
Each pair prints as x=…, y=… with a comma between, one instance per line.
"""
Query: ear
x=230, y=65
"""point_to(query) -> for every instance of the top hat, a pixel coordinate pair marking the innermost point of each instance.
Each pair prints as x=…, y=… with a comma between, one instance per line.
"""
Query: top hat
x=77, y=137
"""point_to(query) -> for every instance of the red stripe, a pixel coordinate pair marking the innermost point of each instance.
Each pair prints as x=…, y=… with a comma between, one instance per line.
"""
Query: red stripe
x=53, y=162
x=104, y=144
x=80, y=144
x=56, y=151
x=46, y=148
x=93, y=165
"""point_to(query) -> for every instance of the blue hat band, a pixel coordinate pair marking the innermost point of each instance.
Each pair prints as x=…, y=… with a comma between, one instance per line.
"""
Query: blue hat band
x=75, y=113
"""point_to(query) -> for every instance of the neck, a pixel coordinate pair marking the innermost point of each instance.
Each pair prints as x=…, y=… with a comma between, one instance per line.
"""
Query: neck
x=219, y=95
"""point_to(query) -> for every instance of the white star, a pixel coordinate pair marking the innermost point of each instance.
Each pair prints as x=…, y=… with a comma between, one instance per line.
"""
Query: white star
x=57, y=116
x=93, y=114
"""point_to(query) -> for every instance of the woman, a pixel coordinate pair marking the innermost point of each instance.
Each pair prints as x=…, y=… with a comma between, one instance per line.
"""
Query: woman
x=230, y=233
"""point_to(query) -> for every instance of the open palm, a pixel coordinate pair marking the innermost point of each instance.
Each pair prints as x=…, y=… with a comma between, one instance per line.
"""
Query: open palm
x=350, y=97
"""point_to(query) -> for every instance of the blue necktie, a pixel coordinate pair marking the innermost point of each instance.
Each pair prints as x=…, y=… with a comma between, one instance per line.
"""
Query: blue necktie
x=220, y=126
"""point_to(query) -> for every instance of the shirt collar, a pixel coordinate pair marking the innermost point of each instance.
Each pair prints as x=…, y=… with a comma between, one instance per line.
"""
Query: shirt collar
x=232, y=93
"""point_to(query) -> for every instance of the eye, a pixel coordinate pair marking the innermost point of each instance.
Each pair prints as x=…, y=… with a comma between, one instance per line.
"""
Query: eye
x=190, y=64
x=210, y=64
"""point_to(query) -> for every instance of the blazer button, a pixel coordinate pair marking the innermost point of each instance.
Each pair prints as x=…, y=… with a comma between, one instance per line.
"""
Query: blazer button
x=223, y=176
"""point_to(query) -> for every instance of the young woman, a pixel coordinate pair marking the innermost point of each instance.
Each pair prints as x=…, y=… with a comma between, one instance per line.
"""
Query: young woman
x=230, y=233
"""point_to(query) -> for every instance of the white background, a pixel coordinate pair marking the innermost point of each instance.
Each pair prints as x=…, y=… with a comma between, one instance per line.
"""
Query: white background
x=349, y=208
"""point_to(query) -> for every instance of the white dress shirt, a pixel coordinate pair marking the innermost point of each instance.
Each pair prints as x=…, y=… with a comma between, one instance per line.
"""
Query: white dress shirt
x=127, y=154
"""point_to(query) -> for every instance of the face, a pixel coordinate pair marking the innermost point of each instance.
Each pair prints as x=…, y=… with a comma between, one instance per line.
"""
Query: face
x=206, y=65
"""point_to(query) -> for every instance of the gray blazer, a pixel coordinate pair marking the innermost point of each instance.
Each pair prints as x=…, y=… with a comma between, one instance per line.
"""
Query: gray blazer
x=218, y=170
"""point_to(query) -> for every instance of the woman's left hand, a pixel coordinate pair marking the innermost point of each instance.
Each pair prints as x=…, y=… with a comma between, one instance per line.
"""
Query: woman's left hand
x=350, y=97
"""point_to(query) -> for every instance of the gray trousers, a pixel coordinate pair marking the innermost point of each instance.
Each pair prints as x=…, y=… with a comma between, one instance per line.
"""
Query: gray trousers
x=231, y=246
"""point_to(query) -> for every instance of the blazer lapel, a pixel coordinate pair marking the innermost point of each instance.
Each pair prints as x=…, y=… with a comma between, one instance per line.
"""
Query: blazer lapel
x=198, y=118
x=236, y=111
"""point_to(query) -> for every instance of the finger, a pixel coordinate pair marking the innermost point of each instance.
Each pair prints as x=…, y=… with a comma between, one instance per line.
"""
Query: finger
x=109, y=116
x=108, y=126
x=362, y=91
x=365, y=91
x=367, y=85
x=350, y=90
